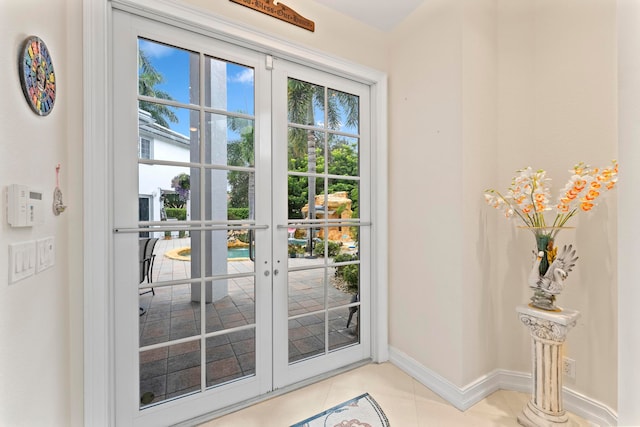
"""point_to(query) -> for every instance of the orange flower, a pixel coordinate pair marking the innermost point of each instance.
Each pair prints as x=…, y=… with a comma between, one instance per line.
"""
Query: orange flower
x=527, y=209
x=595, y=184
x=563, y=208
x=592, y=194
x=579, y=184
x=586, y=206
x=539, y=197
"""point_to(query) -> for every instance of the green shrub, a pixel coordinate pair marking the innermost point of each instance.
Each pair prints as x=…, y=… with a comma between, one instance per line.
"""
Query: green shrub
x=334, y=248
x=178, y=213
x=350, y=273
x=345, y=258
x=243, y=237
x=238, y=213
x=295, y=249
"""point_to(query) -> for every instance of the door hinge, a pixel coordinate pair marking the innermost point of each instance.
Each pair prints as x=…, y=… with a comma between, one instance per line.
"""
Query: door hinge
x=268, y=62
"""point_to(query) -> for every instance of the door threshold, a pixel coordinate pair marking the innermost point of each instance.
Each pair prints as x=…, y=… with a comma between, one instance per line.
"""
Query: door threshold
x=275, y=393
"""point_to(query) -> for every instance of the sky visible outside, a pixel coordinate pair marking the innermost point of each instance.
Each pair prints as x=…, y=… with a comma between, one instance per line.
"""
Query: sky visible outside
x=174, y=65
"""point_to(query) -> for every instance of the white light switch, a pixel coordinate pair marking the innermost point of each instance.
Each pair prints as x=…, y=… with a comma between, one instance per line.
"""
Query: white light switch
x=22, y=260
x=46, y=254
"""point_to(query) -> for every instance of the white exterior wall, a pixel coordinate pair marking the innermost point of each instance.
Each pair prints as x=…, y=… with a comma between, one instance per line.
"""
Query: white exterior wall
x=153, y=178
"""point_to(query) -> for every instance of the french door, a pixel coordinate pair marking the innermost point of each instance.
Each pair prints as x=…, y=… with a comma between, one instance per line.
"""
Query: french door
x=252, y=273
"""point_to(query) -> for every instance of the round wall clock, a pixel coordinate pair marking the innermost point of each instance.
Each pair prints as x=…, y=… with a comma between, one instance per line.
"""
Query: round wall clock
x=37, y=76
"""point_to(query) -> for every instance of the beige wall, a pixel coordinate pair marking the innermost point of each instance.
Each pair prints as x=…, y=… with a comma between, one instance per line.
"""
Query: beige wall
x=557, y=106
x=479, y=90
x=481, y=337
x=425, y=163
x=336, y=34
x=41, y=351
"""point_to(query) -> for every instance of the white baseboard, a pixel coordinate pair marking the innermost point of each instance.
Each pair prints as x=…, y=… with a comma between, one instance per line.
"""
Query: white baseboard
x=465, y=397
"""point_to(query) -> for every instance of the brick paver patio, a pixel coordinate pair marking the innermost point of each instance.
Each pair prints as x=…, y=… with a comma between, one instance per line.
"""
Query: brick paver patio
x=169, y=315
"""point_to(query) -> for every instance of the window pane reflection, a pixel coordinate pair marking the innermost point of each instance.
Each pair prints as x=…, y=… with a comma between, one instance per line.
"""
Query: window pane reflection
x=168, y=73
x=229, y=86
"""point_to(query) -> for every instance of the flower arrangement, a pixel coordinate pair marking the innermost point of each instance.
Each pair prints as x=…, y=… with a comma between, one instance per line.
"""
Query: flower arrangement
x=528, y=197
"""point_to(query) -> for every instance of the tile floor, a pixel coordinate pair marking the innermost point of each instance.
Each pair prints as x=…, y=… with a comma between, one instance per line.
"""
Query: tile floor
x=406, y=402
x=175, y=369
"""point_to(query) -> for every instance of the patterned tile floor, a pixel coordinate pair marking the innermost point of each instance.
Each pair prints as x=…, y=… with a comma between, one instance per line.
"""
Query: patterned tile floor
x=170, y=314
x=404, y=400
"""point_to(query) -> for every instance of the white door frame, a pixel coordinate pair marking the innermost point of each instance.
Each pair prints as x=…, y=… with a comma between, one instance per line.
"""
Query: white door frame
x=99, y=408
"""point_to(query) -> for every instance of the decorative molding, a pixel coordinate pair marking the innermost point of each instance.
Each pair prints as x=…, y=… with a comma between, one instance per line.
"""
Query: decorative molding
x=279, y=11
x=98, y=346
x=546, y=329
x=465, y=397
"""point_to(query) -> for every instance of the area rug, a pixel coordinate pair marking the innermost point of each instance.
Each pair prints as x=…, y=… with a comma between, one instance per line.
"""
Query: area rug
x=361, y=411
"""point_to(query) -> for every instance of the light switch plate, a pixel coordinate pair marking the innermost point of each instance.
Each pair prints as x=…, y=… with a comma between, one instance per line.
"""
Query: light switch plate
x=46, y=254
x=22, y=260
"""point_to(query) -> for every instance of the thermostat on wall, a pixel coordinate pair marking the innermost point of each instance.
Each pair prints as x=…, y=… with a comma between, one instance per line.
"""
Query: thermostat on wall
x=24, y=206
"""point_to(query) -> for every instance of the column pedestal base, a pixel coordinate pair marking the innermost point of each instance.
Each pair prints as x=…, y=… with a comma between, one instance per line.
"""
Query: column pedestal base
x=533, y=417
x=548, y=331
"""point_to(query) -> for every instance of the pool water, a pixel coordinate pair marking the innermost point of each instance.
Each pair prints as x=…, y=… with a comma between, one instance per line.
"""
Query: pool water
x=299, y=242
x=232, y=253
x=238, y=253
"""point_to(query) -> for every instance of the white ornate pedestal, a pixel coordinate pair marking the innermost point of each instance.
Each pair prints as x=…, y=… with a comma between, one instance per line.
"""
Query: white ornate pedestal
x=548, y=331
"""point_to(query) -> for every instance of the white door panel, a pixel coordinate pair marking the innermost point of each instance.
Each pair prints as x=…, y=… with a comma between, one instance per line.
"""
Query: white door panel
x=197, y=329
x=312, y=306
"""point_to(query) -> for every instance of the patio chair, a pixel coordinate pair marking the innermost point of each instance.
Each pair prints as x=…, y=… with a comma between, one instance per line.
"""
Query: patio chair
x=147, y=258
x=353, y=309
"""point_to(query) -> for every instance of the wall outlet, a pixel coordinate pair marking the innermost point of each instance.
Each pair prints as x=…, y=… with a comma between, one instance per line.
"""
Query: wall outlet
x=569, y=367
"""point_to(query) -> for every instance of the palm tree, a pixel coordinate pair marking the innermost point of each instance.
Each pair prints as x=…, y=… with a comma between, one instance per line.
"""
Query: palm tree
x=148, y=78
x=241, y=153
x=302, y=99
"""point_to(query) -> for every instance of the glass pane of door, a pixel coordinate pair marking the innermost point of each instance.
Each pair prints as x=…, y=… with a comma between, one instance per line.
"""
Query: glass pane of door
x=322, y=210
x=197, y=288
x=324, y=277
x=191, y=311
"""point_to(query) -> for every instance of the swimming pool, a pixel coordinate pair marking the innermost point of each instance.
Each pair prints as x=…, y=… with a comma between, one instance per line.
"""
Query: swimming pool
x=184, y=254
x=238, y=253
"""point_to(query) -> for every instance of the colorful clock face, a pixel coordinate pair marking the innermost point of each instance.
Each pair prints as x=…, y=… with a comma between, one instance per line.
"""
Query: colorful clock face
x=37, y=76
